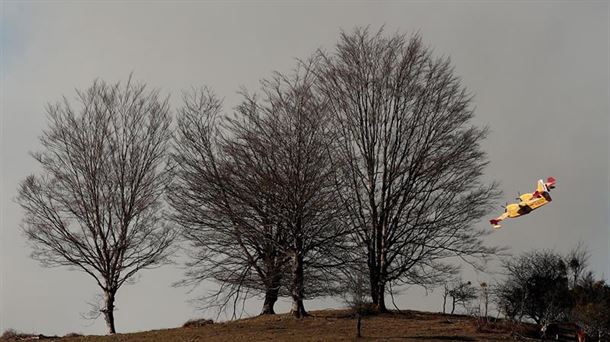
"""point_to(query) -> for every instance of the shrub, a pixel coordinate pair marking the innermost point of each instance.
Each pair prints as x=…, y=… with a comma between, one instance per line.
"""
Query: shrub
x=364, y=309
x=10, y=334
x=195, y=323
x=73, y=335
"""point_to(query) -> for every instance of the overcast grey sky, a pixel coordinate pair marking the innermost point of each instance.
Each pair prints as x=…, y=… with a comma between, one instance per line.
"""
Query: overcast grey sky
x=539, y=72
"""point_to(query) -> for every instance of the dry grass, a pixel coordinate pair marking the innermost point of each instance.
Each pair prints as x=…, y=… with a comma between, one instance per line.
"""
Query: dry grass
x=330, y=325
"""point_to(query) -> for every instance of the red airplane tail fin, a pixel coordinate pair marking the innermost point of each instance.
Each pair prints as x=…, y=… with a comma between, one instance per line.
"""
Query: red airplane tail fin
x=550, y=182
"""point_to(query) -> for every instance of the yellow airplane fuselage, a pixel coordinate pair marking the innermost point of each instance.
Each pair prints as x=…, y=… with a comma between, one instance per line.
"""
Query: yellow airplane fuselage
x=527, y=204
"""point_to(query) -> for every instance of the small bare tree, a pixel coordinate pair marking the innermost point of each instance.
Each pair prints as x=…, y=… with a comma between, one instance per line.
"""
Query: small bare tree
x=445, y=296
x=577, y=261
x=413, y=164
x=97, y=205
x=356, y=293
x=461, y=293
x=484, y=299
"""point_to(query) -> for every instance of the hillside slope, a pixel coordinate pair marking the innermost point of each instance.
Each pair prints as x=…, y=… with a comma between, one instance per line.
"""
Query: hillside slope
x=329, y=325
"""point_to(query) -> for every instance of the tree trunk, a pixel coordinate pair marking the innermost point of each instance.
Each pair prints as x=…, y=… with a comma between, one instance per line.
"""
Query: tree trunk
x=377, y=289
x=444, y=302
x=270, y=298
x=108, y=311
x=381, y=298
x=298, y=310
x=358, y=325
x=453, y=306
x=271, y=292
x=380, y=306
x=374, y=285
x=380, y=269
x=374, y=271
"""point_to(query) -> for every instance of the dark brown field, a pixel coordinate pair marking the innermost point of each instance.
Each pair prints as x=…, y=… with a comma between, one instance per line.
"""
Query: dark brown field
x=330, y=325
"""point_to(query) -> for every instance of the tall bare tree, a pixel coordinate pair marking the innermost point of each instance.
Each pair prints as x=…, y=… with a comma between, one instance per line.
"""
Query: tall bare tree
x=224, y=210
x=256, y=194
x=98, y=203
x=412, y=157
x=286, y=139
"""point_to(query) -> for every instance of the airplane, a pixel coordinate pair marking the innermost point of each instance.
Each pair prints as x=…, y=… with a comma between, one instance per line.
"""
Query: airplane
x=527, y=202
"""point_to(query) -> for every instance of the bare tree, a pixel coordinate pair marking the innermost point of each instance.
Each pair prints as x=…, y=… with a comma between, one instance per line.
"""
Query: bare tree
x=286, y=139
x=413, y=161
x=536, y=287
x=510, y=300
x=461, y=293
x=356, y=294
x=97, y=204
x=445, y=296
x=484, y=298
x=223, y=209
x=577, y=261
x=592, y=307
x=257, y=203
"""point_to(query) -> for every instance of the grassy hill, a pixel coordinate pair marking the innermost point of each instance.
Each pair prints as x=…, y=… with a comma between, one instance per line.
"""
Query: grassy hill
x=329, y=325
